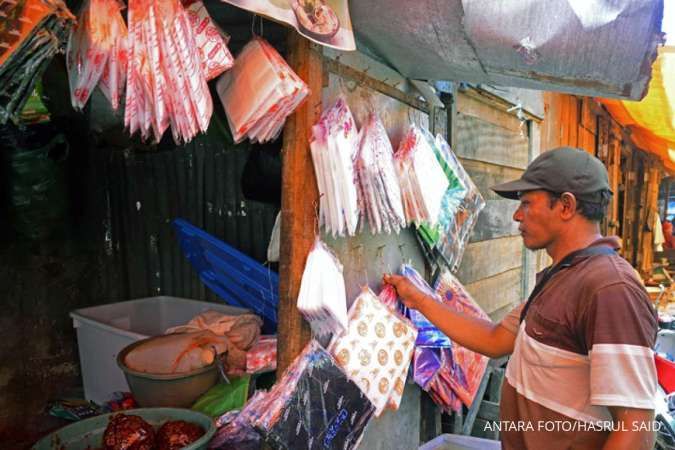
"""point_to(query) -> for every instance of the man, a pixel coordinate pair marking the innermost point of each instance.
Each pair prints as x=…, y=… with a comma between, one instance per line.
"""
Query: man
x=581, y=373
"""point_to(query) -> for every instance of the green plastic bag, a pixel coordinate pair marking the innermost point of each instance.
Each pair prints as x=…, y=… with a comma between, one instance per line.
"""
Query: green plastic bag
x=222, y=397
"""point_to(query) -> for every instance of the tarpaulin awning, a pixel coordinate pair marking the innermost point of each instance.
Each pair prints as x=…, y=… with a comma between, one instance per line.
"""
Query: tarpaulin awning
x=652, y=120
x=584, y=47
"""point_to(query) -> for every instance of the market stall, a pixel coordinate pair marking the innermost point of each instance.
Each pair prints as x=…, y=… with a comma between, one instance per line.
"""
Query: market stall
x=415, y=205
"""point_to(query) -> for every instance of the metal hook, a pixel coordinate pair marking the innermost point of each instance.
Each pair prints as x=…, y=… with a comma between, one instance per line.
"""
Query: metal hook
x=317, y=216
x=380, y=255
x=360, y=262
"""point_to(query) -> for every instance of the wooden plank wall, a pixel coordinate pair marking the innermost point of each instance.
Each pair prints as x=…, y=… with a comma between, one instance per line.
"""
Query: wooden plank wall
x=633, y=175
x=494, y=147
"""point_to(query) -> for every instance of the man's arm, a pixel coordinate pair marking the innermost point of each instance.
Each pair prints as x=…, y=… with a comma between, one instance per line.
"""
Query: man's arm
x=481, y=336
x=632, y=429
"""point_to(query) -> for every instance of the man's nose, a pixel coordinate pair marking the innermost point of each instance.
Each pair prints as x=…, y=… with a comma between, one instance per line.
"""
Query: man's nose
x=518, y=215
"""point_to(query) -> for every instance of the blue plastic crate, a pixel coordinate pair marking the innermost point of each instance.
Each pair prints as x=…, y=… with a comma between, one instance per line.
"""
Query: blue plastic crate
x=231, y=275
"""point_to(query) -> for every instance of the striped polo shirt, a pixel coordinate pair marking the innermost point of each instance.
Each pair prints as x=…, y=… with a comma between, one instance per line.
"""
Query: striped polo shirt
x=585, y=344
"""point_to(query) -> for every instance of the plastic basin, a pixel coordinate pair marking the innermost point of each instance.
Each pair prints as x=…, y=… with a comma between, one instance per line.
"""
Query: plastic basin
x=88, y=434
x=170, y=390
x=460, y=442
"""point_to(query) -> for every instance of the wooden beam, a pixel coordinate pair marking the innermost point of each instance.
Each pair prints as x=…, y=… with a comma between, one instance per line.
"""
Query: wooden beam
x=298, y=199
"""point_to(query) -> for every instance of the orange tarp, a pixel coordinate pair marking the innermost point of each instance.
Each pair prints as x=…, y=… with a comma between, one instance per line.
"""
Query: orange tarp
x=652, y=120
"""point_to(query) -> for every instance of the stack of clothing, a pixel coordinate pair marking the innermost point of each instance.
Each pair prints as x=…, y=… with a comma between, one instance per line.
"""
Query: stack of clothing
x=31, y=32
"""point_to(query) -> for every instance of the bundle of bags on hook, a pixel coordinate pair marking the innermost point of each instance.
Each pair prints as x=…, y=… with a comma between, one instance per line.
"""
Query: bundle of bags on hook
x=362, y=180
x=158, y=63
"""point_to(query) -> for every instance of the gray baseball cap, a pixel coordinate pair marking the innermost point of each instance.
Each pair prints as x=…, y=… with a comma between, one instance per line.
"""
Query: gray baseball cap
x=564, y=169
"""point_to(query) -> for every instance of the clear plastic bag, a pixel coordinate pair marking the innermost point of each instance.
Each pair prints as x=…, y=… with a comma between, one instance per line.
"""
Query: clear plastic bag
x=259, y=92
x=334, y=145
x=322, y=299
x=210, y=39
x=461, y=205
x=423, y=182
x=428, y=335
x=315, y=404
x=96, y=52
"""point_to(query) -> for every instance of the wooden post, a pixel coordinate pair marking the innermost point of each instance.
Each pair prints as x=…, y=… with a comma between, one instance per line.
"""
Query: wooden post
x=299, y=197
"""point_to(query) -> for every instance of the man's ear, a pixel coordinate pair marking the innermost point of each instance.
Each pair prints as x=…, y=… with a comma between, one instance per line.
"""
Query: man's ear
x=569, y=205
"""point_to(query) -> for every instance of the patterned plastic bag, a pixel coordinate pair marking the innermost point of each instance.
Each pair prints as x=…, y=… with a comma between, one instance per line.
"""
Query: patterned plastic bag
x=380, y=193
x=166, y=85
x=315, y=404
x=375, y=351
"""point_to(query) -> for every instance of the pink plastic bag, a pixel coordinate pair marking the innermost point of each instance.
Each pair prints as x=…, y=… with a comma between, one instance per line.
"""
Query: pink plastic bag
x=97, y=52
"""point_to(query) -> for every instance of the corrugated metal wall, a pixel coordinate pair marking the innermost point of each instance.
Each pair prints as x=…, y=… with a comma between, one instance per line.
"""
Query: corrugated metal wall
x=199, y=182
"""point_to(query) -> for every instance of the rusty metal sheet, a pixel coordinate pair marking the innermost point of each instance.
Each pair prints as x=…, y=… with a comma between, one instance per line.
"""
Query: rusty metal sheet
x=586, y=47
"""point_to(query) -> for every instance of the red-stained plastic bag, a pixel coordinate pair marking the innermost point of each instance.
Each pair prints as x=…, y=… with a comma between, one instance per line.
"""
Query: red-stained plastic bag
x=97, y=51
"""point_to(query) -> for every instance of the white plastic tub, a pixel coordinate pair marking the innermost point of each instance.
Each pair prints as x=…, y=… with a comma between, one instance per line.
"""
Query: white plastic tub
x=103, y=331
x=460, y=442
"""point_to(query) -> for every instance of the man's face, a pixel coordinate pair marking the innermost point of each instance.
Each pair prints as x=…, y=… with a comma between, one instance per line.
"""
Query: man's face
x=538, y=221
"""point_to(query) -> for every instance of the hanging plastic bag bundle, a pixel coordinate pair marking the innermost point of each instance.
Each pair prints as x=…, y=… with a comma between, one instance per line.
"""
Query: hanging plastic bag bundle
x=423, y=182
x=334, y=145
x=378, y=183
x=428, y=335
x=460, y=207
x=31, y=33
x=166, y=85
x=316, y=404
x=97, y=46
x=210, y=39
x=376, y=350
x=469, y=367
x=260, y=92
x=322, y=299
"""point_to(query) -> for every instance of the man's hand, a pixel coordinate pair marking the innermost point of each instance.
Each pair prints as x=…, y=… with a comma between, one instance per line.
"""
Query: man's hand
x=409, y=294
x=476, y=334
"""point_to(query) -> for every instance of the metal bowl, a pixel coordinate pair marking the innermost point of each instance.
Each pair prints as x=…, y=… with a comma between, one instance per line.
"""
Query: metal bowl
x=88, y=433
x=177, y=390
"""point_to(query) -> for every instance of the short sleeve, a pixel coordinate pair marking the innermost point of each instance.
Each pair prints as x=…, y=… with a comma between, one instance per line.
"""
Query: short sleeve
x=512, y=320
x=620, y=329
